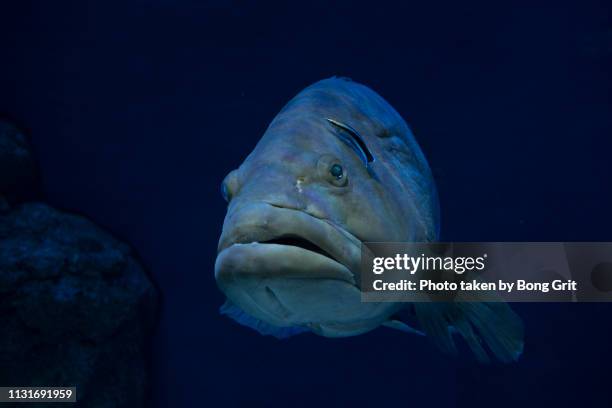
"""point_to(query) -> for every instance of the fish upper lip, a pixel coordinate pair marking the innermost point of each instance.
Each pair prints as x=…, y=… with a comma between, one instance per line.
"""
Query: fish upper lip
x=262, y=221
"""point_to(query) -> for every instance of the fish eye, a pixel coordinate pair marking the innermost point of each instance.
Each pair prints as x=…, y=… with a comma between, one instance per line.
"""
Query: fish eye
x=225, y=192
x=230, y=186
x=330, y=170
x=337, y=171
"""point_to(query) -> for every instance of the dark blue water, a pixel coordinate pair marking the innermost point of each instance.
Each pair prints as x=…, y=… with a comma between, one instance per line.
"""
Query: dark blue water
x=138, y=109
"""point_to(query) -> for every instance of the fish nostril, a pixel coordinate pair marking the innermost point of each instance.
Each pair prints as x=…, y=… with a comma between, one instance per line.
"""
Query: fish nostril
x=299, y=182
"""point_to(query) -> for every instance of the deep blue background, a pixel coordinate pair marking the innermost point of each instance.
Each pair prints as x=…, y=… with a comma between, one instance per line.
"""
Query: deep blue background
x=138, y=109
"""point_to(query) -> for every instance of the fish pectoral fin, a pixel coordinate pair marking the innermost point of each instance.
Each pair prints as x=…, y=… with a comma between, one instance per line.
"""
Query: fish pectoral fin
x=398, y=325
x=240, y=316
x=490, y=324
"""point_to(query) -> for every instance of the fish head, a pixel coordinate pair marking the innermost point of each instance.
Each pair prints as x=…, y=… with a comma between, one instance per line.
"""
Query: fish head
x=335, y=168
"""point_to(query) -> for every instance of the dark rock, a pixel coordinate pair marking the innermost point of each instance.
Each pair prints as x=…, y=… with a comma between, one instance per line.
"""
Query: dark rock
x=19, y=178
x=76, y=308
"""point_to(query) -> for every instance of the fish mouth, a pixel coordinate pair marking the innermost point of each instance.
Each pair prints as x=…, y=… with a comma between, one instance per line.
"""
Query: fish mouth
x=299, y=242
x=275, y=229
x=270, y=256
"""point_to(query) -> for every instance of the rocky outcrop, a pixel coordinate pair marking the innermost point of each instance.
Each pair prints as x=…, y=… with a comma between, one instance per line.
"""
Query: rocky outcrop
x=76, y=306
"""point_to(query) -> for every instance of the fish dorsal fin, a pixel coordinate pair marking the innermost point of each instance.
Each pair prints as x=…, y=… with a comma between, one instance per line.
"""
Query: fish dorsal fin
x=240, y=316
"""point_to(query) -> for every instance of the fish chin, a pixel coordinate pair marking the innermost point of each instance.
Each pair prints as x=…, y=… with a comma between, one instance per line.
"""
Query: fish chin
x=289, y=286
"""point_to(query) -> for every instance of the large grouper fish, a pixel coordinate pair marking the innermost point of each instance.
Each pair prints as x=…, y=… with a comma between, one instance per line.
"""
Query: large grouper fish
x=338, y=166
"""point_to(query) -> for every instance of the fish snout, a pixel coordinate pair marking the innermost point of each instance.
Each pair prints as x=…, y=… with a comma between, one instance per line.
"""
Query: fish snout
x=287, y=181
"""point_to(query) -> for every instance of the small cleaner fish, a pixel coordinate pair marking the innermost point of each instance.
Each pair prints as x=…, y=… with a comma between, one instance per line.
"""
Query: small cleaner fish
x=338, y=166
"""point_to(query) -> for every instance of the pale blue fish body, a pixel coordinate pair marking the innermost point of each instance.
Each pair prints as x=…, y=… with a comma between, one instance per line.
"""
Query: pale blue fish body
x=336, y=167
